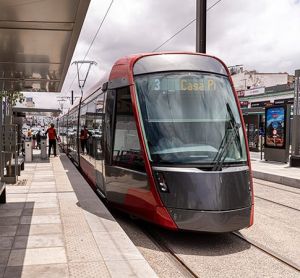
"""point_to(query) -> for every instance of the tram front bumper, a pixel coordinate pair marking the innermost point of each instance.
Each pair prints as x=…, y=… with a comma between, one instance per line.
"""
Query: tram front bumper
x=211, y=221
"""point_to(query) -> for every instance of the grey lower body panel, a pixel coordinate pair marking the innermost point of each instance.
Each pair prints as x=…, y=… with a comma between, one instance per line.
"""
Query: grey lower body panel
x=211, y=221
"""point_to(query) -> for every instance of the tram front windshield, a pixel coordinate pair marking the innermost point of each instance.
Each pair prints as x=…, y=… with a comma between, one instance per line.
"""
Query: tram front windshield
x=190, y=118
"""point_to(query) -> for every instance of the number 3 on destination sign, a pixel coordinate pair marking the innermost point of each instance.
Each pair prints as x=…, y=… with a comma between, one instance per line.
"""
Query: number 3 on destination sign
x=156, y=85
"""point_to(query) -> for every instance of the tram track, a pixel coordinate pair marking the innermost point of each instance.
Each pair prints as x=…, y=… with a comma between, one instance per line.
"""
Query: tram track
x=159, y=241
x=268, y=251
x=276, y=203
x=163, y=246
x=281, y=189
x=186, y=266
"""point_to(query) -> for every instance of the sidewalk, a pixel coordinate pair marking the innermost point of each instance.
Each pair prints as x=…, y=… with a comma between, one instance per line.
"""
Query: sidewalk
x=274, y=171
x=54, y=225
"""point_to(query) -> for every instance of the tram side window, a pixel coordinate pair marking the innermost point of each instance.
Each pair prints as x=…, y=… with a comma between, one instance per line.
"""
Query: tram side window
x=127, y=151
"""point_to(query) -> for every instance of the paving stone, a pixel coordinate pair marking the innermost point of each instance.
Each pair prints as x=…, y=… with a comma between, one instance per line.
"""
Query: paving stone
x=6, y=242
x=8, y=230
x=130, y=268
x=44, y=200
x=38, y=241
x=10, y=212
x=67, y=195
x=4, y=255
x=17, y=195
x=72, y=227
x=42, y=205
x=36, y=256
x=2, y=269
x=37, y=271
x=64, y=188
x=82, y=248
x=100, y=224
x=69, y=208
x=40, y=211
x=56, y=234
x=116, y=246
x=39, y=184
x=12, y=206
x=89, y=269
x=39, y=229
x=40, y=219
x=12, y=199
x=42, y=189
x=17, y=189
x=42, y=195
x=9, y=220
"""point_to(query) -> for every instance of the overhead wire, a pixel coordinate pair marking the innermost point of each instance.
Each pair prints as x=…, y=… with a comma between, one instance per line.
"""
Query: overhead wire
x=183, y=28
x=107, y=12
x=94, y=38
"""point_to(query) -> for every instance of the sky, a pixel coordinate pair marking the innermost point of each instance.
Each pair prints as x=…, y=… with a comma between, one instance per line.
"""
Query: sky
x=260, y=35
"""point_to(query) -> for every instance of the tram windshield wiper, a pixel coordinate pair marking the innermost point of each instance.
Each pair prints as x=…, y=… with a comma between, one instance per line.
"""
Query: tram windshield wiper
x=231, y=134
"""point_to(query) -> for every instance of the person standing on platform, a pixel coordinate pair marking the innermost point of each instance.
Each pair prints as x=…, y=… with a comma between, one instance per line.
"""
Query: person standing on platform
x=38, y=140
x=33, y=141
x=84, y=134
x=52, y=139
x=29, y=134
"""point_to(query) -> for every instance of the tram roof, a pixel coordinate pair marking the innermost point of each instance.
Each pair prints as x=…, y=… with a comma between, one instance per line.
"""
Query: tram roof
x=38, y=39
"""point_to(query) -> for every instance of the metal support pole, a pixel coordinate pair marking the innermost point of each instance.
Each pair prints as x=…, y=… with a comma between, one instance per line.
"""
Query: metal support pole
x=1, y=139
x=78, y=127
x=72, y=97
x=81, y=83
x=201, y=26
x=261, y=147
x=295, y=157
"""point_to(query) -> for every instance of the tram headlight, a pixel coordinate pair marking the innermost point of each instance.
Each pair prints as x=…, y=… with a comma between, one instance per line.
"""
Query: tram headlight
x=161, y=182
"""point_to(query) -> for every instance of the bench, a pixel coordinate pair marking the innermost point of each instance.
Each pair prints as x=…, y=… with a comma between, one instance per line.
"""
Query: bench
x=2, y=193
x=20, y=162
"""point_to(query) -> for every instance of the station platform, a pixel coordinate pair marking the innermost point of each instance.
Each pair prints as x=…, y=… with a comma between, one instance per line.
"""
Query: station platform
x=274, y=171
x=54, y=225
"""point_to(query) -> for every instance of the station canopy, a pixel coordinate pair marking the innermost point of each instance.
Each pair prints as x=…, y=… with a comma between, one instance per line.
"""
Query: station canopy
x=37, y=41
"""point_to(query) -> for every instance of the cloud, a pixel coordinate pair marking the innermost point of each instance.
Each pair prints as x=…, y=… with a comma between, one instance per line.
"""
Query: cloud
x=261, y=35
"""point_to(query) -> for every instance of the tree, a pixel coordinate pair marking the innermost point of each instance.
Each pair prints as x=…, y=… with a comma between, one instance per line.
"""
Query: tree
x=11, y=97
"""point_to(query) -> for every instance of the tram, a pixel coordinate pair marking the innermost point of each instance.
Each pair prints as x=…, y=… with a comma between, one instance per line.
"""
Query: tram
x=166, y=142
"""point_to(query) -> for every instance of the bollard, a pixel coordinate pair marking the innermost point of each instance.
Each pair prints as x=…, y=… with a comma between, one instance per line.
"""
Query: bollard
x=28, y=151
x=43, y=148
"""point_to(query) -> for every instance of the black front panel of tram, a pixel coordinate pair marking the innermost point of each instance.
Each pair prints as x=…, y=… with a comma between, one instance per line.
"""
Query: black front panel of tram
x=210, y=191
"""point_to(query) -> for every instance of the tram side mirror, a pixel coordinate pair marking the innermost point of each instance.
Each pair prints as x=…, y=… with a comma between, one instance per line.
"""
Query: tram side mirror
x=104, y=86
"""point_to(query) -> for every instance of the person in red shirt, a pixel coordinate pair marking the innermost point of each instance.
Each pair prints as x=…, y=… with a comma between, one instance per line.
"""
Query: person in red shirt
x=84, y=135
x=52, y=139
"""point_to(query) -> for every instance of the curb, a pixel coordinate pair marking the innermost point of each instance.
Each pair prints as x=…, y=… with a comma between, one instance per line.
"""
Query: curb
x=293, y=182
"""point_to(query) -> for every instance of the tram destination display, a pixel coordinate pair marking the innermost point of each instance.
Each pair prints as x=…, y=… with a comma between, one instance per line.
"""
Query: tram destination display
x=275, y=127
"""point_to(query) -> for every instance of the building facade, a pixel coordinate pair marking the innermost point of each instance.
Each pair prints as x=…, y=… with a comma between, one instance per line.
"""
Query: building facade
x=257, y=91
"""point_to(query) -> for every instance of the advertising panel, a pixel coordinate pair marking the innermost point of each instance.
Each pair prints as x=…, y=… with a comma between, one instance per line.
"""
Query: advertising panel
x=275, y=127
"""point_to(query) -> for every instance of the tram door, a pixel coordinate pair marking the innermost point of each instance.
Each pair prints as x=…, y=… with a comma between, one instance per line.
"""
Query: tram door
x=124, y=164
